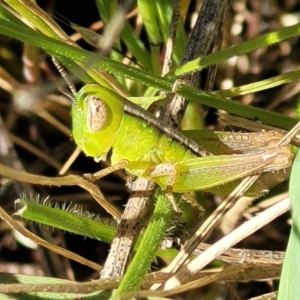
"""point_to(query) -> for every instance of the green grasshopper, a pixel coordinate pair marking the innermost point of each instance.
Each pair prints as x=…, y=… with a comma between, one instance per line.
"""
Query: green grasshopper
x=103, y=120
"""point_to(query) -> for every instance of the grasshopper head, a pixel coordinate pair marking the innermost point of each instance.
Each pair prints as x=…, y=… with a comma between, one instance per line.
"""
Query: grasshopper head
x=97, y=115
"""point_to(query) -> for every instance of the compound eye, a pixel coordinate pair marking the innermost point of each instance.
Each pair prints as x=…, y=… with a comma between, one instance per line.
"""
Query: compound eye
x=96, y=115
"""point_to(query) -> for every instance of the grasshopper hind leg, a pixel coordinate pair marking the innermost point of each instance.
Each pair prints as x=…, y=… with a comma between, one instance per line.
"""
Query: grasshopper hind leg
x=171, y=171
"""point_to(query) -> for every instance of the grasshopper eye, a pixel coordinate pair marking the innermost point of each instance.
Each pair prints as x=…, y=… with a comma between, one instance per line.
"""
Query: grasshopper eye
x=96, y=115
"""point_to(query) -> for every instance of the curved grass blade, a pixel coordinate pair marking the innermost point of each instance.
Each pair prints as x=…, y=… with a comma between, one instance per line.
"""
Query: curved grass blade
x=289, y=287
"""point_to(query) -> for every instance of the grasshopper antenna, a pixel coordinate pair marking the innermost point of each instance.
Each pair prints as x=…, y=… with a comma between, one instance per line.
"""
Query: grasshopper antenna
x=68, y=81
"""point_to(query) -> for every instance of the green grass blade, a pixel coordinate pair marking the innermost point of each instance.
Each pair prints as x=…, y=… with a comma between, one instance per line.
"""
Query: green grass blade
x=106, y=9
x=289, y=287
x=236, y=108
x=38, y=18
x=164, y=10
x=45, y=283
x=242, y=48
x=136, y=47
x=148, y=246
x=73, y=220
x=6, y=15
x=127, y=35
x=41, y=213
x=260, y=85
x=148, y=12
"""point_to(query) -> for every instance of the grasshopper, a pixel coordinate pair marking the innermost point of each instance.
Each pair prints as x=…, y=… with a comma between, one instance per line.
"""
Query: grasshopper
x=144, y=146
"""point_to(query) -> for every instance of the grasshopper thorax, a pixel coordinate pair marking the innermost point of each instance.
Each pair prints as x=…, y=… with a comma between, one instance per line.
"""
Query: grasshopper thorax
x=96, y=113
